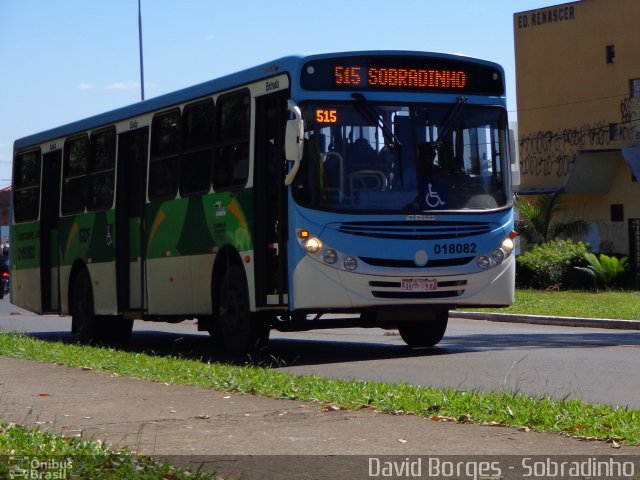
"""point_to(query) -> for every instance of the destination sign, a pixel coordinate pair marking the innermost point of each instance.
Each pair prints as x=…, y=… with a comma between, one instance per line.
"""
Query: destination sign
x=403, y=73
x=399, y=77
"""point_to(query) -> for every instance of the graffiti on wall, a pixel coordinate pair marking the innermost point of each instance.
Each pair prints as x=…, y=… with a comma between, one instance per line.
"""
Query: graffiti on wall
x=553, y=153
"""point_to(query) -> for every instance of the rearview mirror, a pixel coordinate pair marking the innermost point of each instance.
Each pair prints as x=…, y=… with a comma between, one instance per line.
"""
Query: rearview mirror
x=294, y=141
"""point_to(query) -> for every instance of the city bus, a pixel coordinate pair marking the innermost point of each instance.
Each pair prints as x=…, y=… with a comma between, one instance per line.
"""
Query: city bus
x=334, y=190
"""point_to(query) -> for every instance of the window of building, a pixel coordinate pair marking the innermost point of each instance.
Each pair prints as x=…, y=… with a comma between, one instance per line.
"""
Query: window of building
x=197, y=154
x=611, y=53
x=166, y=142
x=617, y=212
x=26, y=186
x=74, y=175
x=231, y=165
x=101, y=176
x=634, y=85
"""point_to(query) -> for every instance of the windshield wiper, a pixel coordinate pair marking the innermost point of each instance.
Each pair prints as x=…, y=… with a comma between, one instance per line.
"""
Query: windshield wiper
x=372, y=116
x=427, y=151
x=447, y=126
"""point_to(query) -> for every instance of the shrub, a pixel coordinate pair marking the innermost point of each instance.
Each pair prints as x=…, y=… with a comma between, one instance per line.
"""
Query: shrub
x=550, y=265
x=603, y=271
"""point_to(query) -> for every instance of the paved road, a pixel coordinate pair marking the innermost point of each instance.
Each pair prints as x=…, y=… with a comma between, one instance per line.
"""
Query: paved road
x=592, y=364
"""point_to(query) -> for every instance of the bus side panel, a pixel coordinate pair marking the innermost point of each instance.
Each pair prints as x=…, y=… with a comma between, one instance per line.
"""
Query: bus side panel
x=88, y=238
x=25, y=266
x=229, y=221
x=183, y=237
x=168, y=268
x=201, y=268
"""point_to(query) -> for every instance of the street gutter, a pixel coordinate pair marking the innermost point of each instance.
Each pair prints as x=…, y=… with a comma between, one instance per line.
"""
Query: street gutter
x=544, y=320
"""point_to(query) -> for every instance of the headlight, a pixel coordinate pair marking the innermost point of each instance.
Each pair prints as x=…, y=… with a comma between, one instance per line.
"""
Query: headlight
x=350, y=263
x=498, y=255
x=330, y=256
x=484, y=262
x=508, y=245
x=313, y=245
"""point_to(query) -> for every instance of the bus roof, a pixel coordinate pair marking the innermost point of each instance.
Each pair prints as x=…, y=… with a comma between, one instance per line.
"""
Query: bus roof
x=282, y=65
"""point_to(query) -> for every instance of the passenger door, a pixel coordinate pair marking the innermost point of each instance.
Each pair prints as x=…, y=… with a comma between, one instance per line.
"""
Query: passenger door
x=49, y=248
x=270, y=201
x=130, y=209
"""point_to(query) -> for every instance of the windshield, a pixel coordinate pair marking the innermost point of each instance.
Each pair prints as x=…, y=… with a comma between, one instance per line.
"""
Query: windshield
x=365, y=157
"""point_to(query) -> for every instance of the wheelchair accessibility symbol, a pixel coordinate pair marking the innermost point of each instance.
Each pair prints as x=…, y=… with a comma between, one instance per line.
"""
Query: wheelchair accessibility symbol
x=433, y=198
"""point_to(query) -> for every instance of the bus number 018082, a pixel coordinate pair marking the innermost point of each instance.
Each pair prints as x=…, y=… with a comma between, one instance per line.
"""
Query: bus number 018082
x=453, y=248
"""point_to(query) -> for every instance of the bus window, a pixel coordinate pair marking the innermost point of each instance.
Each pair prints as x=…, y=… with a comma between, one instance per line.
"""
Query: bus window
x=26, y=181
x=166, y=142
x=231, y=166
x=76, y=158
x=101, y=170
x=195, y=169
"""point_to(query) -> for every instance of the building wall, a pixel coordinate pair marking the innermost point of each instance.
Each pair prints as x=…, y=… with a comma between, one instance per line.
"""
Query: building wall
x=572, y=102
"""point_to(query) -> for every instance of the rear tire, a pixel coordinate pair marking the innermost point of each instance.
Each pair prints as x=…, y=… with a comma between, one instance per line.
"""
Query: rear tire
x=239, y=330
x=91, y=328
x=84, y=320
x=424, y=333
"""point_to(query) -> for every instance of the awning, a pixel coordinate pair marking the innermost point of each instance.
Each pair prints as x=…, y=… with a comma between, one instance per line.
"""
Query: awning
x=593, y=171
x=632, y=157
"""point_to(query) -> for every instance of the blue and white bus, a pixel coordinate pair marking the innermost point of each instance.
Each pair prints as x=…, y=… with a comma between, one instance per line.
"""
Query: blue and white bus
x=359, y=188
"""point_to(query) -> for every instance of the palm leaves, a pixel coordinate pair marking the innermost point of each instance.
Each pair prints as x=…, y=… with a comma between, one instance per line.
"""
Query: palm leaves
x=536, y=220
x=604, y=270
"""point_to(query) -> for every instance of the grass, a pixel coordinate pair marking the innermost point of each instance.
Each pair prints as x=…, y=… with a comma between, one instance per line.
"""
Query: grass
x=571, y=417
x=61, y=457
x=620, y=305
x=94, y=460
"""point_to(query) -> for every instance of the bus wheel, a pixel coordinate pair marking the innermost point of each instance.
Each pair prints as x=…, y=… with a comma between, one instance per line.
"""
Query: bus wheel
x=425, y=333
x=84, y=320
x=241, y=330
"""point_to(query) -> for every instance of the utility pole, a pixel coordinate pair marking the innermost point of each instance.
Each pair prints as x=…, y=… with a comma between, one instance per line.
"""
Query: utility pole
x=140, y=43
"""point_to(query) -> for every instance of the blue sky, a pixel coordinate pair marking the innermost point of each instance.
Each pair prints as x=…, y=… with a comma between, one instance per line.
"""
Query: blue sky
x=64, y=60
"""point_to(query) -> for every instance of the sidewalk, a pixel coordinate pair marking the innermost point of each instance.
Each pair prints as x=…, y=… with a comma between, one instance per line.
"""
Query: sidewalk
x=180, y=422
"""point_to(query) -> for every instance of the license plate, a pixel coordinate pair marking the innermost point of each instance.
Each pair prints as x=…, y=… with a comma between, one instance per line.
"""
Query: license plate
x=418, y=284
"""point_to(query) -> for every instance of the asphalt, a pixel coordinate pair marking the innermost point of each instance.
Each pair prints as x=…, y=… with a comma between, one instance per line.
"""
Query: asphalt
x=258, y=437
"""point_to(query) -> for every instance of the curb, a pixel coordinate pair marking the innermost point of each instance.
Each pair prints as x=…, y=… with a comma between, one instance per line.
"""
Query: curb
x=542, y=320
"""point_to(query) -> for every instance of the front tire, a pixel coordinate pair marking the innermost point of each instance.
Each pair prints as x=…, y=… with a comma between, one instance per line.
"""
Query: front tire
x=424, y=333
x=241, y=331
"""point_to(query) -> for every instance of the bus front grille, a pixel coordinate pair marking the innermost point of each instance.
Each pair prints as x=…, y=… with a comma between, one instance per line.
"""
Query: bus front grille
x=394, y=263
x=433, y=230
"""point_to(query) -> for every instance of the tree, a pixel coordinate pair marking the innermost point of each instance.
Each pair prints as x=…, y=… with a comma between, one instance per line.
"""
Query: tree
x=536, y=224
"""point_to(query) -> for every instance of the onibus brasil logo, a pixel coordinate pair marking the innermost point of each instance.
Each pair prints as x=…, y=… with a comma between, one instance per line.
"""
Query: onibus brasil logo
x=33, y=468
